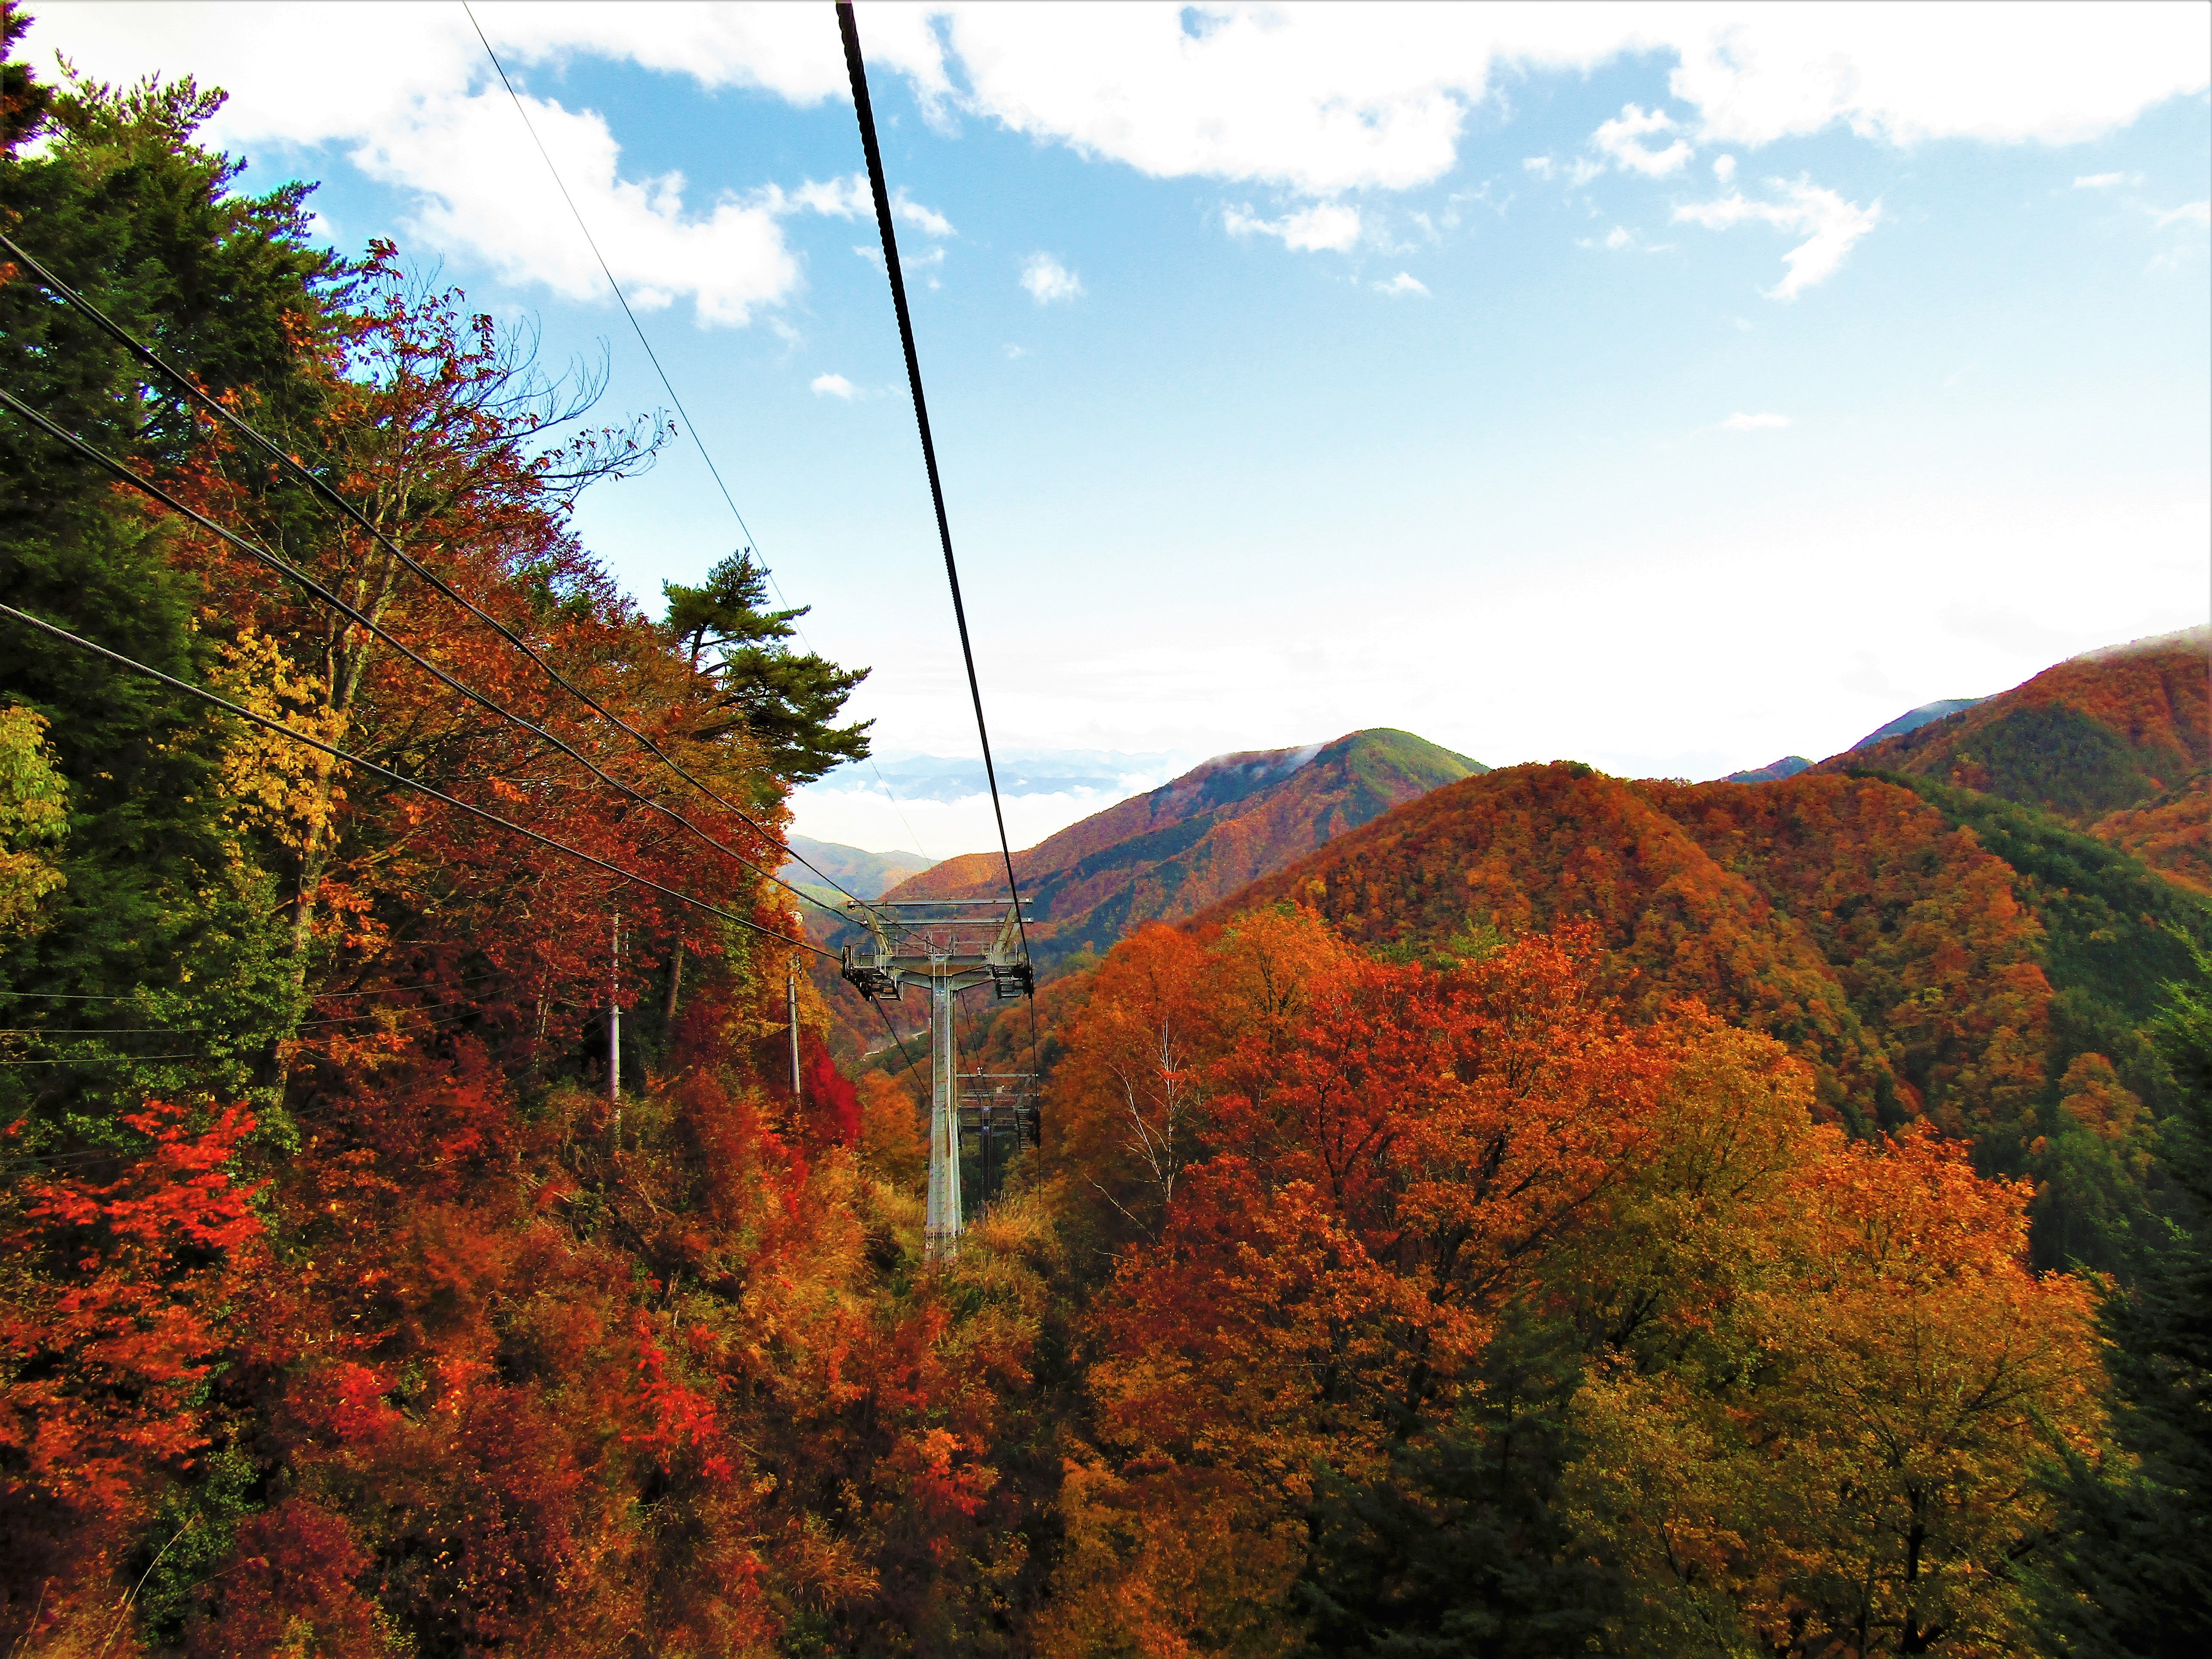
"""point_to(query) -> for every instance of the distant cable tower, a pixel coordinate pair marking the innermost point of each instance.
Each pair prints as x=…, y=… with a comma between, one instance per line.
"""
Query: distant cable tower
x=949, y=946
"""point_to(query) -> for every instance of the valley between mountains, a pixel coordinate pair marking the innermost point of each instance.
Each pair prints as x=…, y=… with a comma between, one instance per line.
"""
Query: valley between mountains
x=1964, y=919
x=453, y=1206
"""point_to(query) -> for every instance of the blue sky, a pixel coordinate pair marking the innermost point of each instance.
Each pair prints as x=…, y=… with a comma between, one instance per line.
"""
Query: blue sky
x=1671, y=390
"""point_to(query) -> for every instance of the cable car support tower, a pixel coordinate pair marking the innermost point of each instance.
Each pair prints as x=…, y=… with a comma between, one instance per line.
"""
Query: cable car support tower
x=947, y=946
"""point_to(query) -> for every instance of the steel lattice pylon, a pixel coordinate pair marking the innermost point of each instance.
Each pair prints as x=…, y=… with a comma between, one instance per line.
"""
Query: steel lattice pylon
x=947, y=946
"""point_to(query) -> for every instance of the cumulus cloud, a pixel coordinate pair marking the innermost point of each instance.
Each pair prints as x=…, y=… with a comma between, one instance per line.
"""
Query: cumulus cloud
x=420, y=110
x=1047, y=280
x=834, y=385
x=1765, y=422
x=1322, y=100
x=928, y=220
x=844, y=198
x=1831, y=227
x=2191, y=213
x=1315, y=100
x=2103, y=180
x=1724, y=168
x=1326, y=227
x=1623, y=138
x=1905, y=74
x=1403, y=282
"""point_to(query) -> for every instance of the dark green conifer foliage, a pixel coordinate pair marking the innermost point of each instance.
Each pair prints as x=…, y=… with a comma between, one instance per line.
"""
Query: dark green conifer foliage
x=2130, y=1574
x=787, y=701
x=1458, y=1552
x=2115, y=933
x=122, y=205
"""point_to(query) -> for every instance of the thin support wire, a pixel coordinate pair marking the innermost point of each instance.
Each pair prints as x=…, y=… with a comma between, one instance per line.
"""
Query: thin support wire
x=403, y=780
x=857, y=70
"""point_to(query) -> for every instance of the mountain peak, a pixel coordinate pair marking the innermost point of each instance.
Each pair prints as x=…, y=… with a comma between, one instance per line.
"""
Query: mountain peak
x=1167, y=853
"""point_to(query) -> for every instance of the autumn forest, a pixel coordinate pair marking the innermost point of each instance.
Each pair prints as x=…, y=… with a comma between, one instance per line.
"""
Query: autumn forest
x=1498, y=1213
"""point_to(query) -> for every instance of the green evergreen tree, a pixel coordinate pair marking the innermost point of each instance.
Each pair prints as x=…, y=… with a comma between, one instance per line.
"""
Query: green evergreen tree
x=2129, y=1574
x=1457, y=1550
x=787, y=701
x=158, y=941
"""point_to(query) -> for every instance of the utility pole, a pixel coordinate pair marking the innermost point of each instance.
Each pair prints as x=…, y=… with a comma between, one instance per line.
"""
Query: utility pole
x=791, y=987
x=949, y=946
x=614, y=1020
x=942, y=1220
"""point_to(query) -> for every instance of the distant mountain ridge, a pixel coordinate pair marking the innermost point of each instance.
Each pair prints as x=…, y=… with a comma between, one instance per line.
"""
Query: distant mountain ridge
x=1166, y=853
x=862, y=873
x=2098, y=733
x=1788, y=767
x=1913, y=718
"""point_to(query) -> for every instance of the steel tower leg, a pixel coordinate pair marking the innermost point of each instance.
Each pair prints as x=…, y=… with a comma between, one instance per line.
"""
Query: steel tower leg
x=941, y=1223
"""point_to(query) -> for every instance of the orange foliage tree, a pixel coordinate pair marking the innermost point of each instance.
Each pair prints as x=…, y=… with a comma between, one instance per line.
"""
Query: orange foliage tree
x=1812, y=1370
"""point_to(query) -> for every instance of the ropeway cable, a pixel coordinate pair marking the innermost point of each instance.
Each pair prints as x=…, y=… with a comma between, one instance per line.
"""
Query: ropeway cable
x=315, y=590
x=401, y=779
x=900, y=1043
x=690, y=426
x=857, y=70
x=192, y=390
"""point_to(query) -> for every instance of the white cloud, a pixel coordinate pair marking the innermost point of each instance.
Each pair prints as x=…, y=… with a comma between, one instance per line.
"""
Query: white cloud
x=928, y=221
x=415, y=101
x=843, y=198
x=2053, y=75
x=1403, y=282
x=2192, y=213
x=1326, y=98
x=1621, y=239
x=1830, y=225
x=731, y=259
x=834, y=385
x=1621, y=138
x=1579, y=172
x=1326, y=227
x=1316, y=99
x=1765, y=422
x=1724, y=168
x=2104, y=180
x=1047, y=280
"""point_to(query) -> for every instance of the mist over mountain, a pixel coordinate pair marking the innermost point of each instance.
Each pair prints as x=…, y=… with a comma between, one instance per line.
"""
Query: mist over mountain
x=1021, y=772
x=859, y=872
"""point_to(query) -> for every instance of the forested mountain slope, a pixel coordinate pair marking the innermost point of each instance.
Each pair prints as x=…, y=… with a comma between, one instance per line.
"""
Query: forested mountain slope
x=859, y=872
x=431, y=1226
x=1163, y=855
x=1936, y=951
x=2092, y=735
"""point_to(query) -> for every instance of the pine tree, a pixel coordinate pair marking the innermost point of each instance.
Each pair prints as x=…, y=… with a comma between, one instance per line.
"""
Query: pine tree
x=123, y=205
x=787, y=701
x=1459, y=1551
